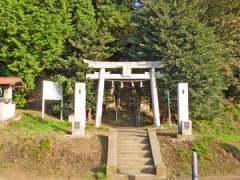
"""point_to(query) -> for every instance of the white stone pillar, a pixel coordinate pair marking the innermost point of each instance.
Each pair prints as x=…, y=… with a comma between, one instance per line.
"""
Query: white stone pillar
x=154, y=94
x=184, y=124
x=79, y=123
x=100, y=97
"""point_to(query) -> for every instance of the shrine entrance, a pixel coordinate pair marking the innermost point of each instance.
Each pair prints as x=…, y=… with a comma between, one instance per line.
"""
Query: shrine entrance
x=122, y=105
x=126, y=75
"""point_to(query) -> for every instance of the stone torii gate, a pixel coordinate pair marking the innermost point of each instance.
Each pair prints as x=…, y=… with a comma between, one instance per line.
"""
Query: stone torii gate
x=127, y=74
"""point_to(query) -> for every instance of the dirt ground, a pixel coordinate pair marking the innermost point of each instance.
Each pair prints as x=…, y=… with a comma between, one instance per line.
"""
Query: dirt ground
x=221, y=164
x=65, y=158
x=60, y=157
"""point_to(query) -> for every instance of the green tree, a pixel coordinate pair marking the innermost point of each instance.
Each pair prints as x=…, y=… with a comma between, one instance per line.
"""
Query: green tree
x=113, y=18
x=224, y=16
x=168, y=31
x=32, y=36
x=86, y=42
x=4, y=70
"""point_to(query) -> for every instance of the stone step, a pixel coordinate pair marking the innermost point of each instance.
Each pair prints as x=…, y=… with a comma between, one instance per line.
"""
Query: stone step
x=140, y=131
x=133, y=141
x=134, y=154
x=146, y=169
x=134, y=158
x=135, y=161
x=135, y=177
x=127, y=136
x=143, y=153
x=148, y=155
x=130, y=136
x=131, y=129
x=133, y=135
x=133, y=148
x=122, y=131
x=133, y=144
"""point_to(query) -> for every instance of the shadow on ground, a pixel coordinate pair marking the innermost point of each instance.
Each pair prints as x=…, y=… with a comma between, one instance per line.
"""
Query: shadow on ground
x=104, y=149
x=233, y=150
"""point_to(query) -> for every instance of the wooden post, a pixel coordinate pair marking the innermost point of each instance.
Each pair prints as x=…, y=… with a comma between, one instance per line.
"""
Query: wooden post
x=43, y=107
x=61, y=113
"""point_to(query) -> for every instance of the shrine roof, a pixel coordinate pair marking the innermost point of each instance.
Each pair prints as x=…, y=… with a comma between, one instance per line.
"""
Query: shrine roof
x=11, y=81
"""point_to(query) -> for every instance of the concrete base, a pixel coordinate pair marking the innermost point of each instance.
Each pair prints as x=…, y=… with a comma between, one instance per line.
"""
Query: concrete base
x=185, y=128
x=78, y=128
x=186, y=137
x=78, y=136
x=7, y=111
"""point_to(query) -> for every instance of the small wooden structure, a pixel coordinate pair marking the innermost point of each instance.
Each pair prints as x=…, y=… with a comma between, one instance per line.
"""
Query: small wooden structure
x=7, y=106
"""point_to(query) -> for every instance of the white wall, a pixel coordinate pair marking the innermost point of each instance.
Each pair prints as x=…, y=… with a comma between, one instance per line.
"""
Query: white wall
x=7, y=111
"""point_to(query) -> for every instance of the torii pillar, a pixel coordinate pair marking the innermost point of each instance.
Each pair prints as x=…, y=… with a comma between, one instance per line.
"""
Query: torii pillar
x=154, y=94
x=100, y=97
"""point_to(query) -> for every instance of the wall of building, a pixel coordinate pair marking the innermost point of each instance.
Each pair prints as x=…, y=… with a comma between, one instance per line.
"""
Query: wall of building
x=7, y=111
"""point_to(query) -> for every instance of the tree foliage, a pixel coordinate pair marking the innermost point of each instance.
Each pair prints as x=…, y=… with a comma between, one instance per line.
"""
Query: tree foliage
x=32, y=36
x=87, y=42
x=195, y=39
x=168, y=32
x=113, y=18
x=224, y=16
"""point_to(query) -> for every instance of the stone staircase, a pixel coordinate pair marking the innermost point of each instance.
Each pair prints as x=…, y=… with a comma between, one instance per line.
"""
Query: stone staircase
x=133, y=157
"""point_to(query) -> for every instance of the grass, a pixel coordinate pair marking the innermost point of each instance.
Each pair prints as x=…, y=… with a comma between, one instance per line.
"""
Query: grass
x=91, y=126
x=224, y=128
x=101, y=173
x=31, y=124
x=184, y=156
x=221, y=129
x=217, y=146
x=221, y=135
x=203, y=146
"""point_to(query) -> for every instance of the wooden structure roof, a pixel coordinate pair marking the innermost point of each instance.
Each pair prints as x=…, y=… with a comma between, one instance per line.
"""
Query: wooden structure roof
x=11, y=81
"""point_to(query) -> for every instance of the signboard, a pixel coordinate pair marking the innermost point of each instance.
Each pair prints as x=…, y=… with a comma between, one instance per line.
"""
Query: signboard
x=52, y=91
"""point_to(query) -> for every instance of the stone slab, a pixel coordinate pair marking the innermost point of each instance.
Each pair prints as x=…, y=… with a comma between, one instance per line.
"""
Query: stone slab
x=161, y=170
x=112, y=154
